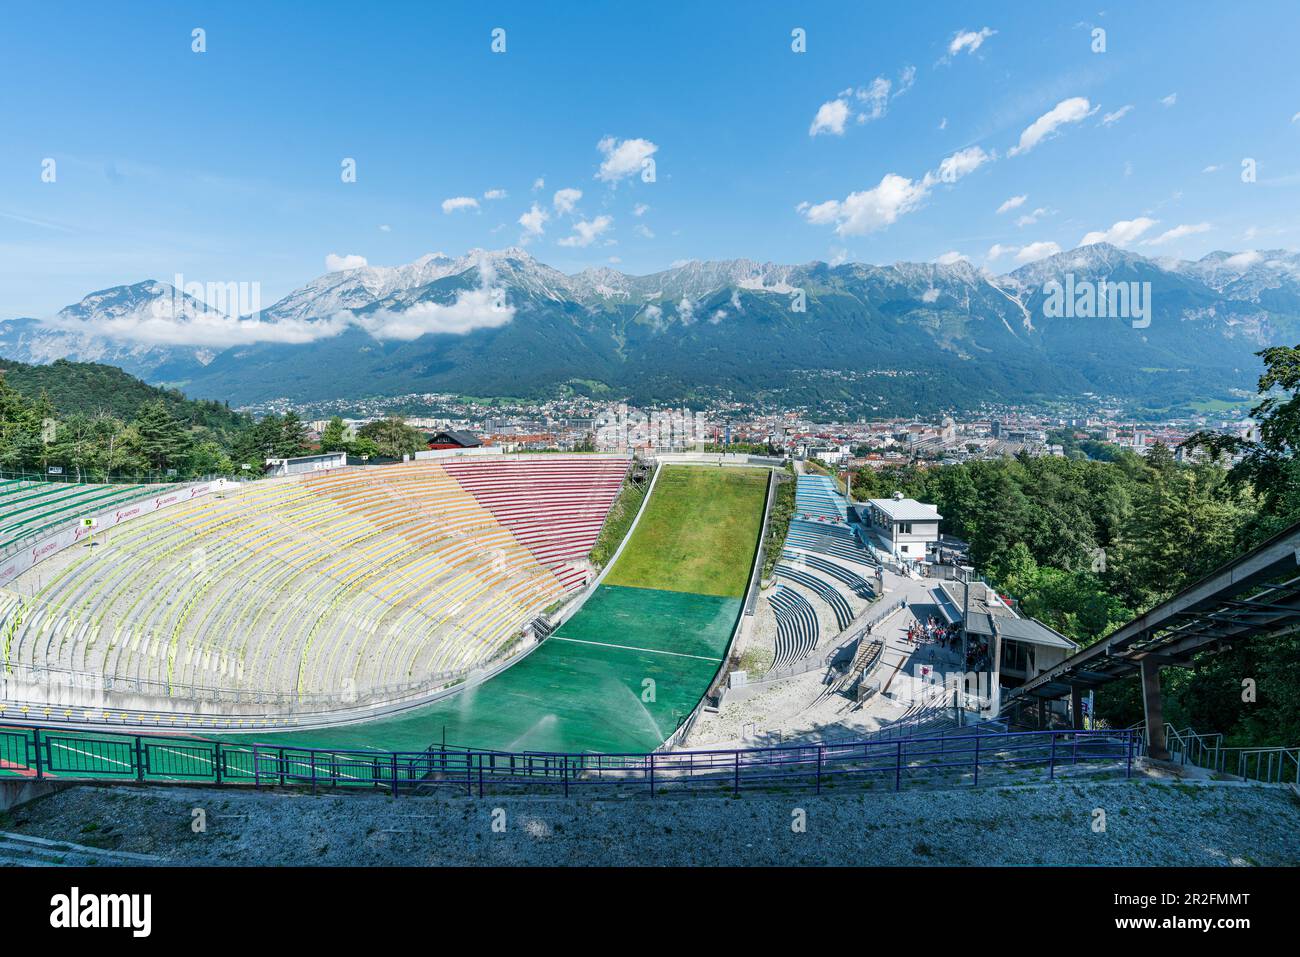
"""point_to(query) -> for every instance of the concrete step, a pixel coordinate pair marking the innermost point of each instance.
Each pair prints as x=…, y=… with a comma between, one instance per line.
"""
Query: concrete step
x=26, y=850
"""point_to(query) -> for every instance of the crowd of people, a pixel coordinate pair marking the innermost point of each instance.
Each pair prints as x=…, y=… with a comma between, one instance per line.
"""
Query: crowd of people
x=938, y=635
x=933, y=631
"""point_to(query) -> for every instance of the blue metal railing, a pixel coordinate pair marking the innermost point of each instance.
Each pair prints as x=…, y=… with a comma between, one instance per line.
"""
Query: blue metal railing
x=40, y=753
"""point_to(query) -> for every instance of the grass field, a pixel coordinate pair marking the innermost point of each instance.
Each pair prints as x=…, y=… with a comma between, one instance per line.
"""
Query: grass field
x=698, y=534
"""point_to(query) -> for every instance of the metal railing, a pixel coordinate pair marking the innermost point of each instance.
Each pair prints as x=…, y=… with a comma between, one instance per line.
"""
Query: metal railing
x=36, y=753
x=1268, y=765
x=88, y=478
x=1279, y=764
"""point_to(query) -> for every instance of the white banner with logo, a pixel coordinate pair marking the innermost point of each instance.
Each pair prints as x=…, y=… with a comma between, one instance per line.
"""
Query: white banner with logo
x=37, y=552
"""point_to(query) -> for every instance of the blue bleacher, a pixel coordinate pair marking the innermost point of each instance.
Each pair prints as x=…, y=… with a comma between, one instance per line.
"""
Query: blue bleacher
x=796, y=626
x=833, y=539
x=825, y=591
x=861, y=586
x=817, y=495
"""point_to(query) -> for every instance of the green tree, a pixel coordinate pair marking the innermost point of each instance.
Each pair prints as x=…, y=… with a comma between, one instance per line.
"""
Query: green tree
x=20, y=430
x=163, y=441
x=292, y=440
x=393, y=438
x=334, y=438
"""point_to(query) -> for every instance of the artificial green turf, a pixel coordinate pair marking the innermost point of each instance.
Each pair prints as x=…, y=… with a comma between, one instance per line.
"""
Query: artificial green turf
x=698, y=532
x=584, y=689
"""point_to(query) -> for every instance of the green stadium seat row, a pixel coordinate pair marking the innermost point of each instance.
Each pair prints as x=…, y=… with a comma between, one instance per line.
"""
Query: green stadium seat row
x=30, y=509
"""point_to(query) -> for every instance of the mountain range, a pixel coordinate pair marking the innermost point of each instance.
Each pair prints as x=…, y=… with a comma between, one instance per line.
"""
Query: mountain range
x=852, y=337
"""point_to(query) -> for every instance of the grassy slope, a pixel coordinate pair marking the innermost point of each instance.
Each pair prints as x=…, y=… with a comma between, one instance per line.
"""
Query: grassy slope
x=778, y=525
x=618, y=521
x=698, y=534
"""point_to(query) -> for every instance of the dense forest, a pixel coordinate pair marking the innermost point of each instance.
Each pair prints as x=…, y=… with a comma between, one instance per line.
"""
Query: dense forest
x=1086, y=545
x=95, y=422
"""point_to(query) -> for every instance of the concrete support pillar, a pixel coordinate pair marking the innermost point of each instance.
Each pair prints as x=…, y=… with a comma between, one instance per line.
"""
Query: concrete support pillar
x=1076, y=707
x=1152, y=706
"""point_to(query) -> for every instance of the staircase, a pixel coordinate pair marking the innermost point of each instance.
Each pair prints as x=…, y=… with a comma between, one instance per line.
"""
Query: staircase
x=25, y=850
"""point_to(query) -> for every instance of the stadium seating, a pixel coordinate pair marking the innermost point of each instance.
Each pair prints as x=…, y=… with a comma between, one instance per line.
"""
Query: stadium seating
x=818, y=496
x=796, y=626
x=31, y=508
x=832, y=539
x=336, y=583
x=839, y=606
x=861, y=587
x=555, y=506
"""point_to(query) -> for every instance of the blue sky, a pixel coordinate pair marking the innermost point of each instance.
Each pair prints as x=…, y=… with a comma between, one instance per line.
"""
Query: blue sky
x=225, y=165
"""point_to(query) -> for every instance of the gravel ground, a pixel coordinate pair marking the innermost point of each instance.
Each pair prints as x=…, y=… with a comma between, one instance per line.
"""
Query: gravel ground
x=1146, y=823
x=788, y=712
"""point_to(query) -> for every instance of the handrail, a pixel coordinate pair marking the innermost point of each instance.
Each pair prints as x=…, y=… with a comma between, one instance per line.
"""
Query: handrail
x=30, y=752
x=1268, y=765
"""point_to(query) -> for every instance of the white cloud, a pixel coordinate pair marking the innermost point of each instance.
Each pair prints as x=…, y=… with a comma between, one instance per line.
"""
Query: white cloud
x=385, y=228
x=1067, y=111
x=872, y=100
x=969, y=40
x=623, y=158
x=1031, y=218
x=1243, y=261
x=951, y=258
x=930, y=295
x=686, y=311
x=905, y=80
x=1033, y=251
x=495, y=194
x=875, y=98
x=641, y=229
x=1118, y=115
x=943, y=123
x=830, y=118
x=337, y=263
x=459, y=202
x=1121, y=233
x=585, y=232
x=198, y=326
x=1015, y=202
x=565, y=200
x=534, y=220
x=640, y=209
x=1178, y=232
x=1213, y=168
x=820, y=214
x=172, y=320
x=963, y=162
x=1023, y=254
x=539, y=183
x=481, y=308
x=1295, y=117
x=1169, y=100
x=866, y=211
